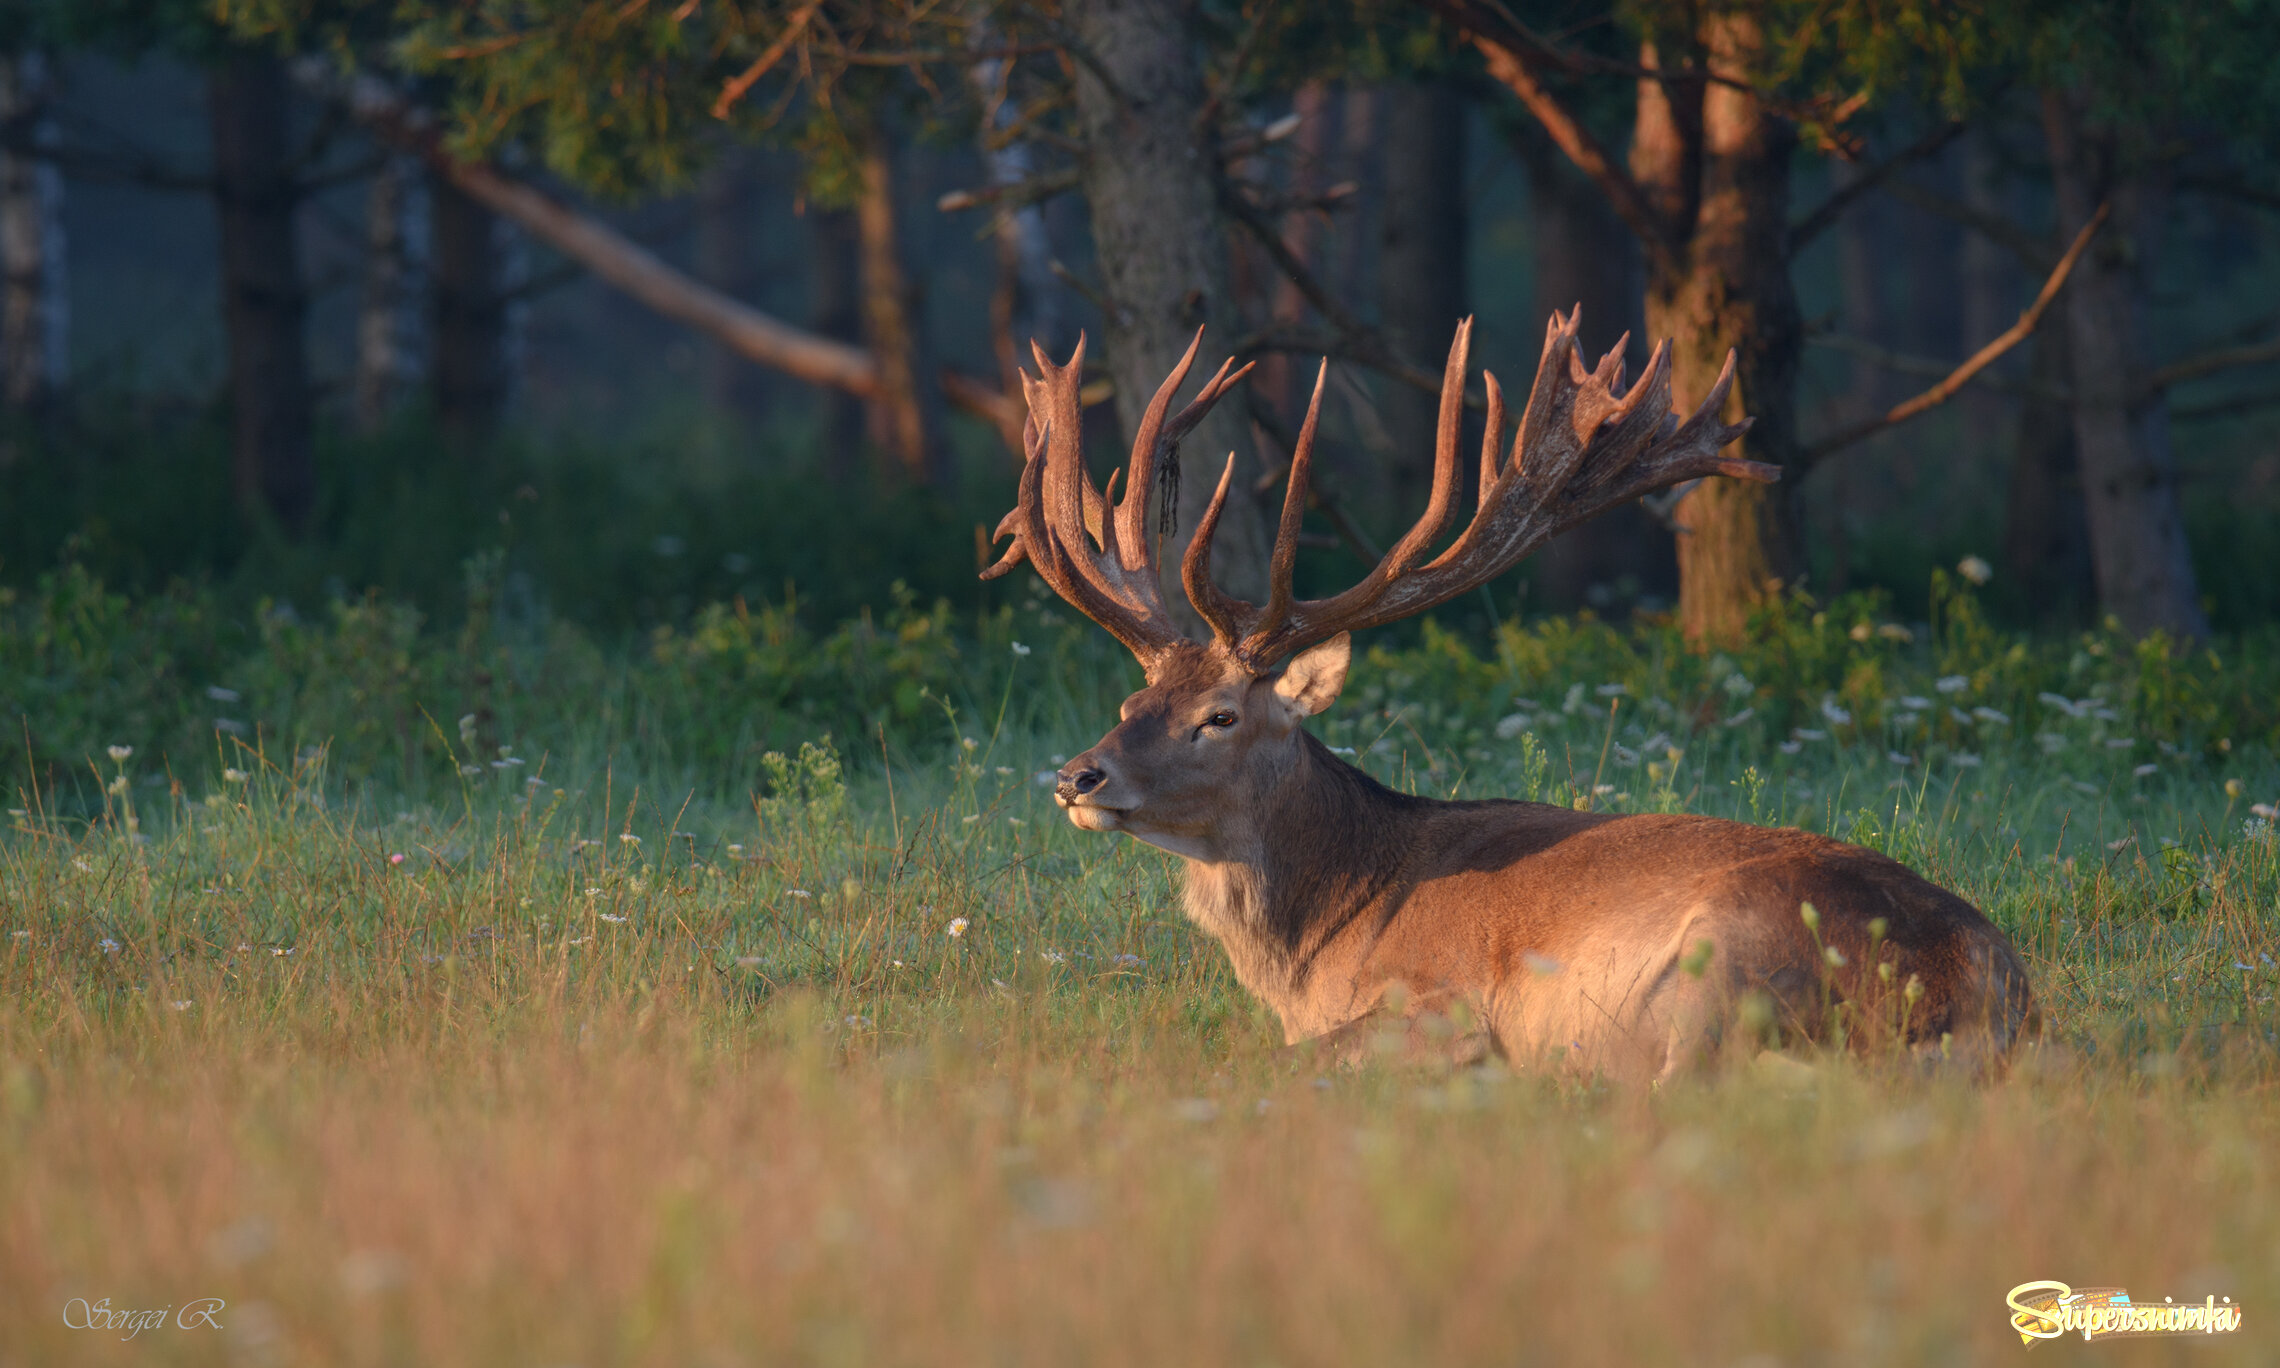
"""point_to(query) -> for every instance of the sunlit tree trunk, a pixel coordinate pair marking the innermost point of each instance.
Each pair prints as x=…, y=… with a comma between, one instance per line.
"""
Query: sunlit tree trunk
x=906, y=417
x=2121, y=429
x=1726, y=286
x=1162, y=252
x=264, y=301
x=35, y=300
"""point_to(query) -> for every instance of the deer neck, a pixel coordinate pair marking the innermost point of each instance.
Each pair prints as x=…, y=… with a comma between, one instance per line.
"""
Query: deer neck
x=1316, y=843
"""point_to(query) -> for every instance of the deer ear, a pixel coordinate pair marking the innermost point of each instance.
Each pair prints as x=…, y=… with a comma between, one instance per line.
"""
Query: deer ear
x=1314, y=677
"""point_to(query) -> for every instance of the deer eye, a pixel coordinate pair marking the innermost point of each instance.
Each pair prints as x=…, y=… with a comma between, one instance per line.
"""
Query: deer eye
x=1221, y=720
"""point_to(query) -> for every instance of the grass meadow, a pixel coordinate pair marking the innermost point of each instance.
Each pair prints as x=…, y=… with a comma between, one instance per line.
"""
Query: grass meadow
x=642, y=1042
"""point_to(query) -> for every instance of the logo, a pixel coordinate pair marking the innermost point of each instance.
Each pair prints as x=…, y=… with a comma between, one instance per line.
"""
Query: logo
x=2047, y=1310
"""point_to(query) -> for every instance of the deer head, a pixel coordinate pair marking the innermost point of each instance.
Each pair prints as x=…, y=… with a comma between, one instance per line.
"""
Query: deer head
x=1216, y=731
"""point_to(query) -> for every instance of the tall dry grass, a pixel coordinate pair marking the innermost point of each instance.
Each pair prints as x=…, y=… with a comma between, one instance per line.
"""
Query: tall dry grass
x=730, y=1093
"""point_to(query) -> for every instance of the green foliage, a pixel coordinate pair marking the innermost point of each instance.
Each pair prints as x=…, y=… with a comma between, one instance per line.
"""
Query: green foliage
x=621, y=98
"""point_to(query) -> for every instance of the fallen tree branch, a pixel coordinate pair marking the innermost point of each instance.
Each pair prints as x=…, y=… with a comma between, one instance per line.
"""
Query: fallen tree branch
x=1962, y=375
x=615, y=258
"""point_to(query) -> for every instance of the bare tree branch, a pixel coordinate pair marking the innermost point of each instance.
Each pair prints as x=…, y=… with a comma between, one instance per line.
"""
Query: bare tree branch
x=1980, y=360
x=602, y=249
x=1568, y=133
x=2226, y=187
x=1901, y=363
x=2027, y=246
x=2209, y=363
x=1831, y=209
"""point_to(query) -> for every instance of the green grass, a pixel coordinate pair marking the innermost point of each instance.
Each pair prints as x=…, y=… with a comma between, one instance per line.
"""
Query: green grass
x=646, y=1039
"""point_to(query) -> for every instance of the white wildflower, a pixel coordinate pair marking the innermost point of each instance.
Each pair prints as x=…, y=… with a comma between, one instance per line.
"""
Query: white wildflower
x=613, y=919
x=1964, y=760
x=1739, y=718
x=1052, y=957
x=1790, y=747
x=1975, y=569
x=1949, y=684
x=119, y=754
x=107, y=946
x=1019, y=649
x=1834, y=712
x=1612, y=690
x=1624, y=755
x=2143, y=770
x=1900, y=757
x=1990, y=715
x=1915, y=701
x=1809, y=734
x=956, y=928
x=629, y=838
x=1511, y=725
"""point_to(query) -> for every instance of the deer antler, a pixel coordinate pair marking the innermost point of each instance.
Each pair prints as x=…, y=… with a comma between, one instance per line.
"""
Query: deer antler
x=1580, y=449
x=1102, y=559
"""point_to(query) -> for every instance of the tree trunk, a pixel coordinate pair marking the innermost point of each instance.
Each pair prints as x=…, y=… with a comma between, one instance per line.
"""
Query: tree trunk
x=732, y=385
x=264, y=302
x=1162, y=253
x=1729, y=289
x=835, y=311
x=388, y=324
x=1422, y=248
x=1990, y=277
x=35, y=301
x=1584, y=256
x=2046, y=538
x=469, y=302
x=2121, y=432
x=906, y=417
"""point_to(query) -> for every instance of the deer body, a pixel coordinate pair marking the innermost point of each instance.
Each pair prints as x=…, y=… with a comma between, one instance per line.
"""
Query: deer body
x=1624, y=945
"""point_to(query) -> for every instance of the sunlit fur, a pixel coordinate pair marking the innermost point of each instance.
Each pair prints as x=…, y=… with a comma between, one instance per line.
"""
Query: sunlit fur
x=1561, y=936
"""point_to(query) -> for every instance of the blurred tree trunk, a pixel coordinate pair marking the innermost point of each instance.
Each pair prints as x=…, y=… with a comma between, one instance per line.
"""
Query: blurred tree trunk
x=1583, y=256
x=1286, y=379
x=1863, y=261
x=1162, y=253
x=1027, y=306
x=906, y=418
x=725, y=232
x=1422, y=247
x=35, y=300
x=1990, y=278
x=2121, y=429
x=470, y=364
x=2046, y=537
x=835, y=310
x=1716, y=162
x=264, y=302
x=388, y=323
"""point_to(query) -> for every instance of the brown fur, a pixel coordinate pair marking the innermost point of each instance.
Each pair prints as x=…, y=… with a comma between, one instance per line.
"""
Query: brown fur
x=1564, y=935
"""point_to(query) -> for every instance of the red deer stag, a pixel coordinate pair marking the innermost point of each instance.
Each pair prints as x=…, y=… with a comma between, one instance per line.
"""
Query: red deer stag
x=1631, y=946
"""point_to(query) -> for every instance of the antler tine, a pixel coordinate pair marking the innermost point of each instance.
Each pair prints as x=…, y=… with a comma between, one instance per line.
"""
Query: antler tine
x=1492, y=434
x=1132, y=514
x=1224, y=613
x=1285, y=559
x=1579, y=450
x=1064, y=526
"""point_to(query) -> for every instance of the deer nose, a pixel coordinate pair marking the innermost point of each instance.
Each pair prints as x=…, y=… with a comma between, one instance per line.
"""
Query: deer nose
x=1077, y=782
